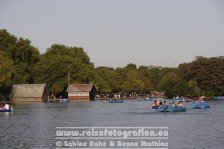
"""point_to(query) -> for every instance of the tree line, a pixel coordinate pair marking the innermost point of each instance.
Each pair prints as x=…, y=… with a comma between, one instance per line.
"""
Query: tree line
x=60, y=65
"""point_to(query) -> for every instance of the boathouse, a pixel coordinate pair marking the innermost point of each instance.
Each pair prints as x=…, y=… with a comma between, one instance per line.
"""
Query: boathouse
x=81, y=92
x=29, y=92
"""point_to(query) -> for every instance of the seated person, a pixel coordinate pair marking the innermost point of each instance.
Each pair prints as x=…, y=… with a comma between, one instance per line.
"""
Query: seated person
x=6, y=106
x=179, y=104
x=165, y=105
x=155, y=103
x=160, y=103
x=173, y=103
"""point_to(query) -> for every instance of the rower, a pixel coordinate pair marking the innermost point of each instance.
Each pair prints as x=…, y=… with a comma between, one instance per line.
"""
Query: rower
x=7, y=107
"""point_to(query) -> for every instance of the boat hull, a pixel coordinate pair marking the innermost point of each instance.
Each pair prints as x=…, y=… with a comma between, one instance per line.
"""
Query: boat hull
x=116, y=101
x=155, y=107
x=6, y=110
x=146, y=99
x=172, y=109
x=201, y=105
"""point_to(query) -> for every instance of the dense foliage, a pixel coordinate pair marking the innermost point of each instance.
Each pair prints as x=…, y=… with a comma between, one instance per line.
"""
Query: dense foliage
x=19, y=58
x=60, y=65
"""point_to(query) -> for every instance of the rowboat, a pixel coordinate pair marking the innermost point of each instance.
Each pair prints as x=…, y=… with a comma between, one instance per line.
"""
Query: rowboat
x=218, y=98
x=6, y=110
x=116, y=101
x=4, y=107
x=172, y=109
x=146, y=99
x=200, y=105
x=155, y=107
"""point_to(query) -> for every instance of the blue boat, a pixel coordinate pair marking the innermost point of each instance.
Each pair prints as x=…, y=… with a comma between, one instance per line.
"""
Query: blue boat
x=116, y=101
x=6, y=110
x=200, y=105
x=155, y=107
x=172, y=109
x=218, y=98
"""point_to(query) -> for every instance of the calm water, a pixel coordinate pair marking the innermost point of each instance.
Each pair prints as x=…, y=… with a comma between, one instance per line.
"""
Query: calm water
x=33, y=125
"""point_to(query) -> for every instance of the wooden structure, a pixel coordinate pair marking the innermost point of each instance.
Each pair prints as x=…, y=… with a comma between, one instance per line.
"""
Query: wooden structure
x=81, y=92
x=29, y=93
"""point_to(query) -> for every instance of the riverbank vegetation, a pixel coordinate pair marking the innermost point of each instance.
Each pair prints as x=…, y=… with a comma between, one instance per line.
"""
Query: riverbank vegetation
x=22, y=63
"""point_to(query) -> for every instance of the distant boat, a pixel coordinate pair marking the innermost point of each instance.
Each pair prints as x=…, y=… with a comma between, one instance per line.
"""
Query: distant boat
x=64, y=100
x=218, y=98
x=183, y=100
x=116, y=101
x=146, y=99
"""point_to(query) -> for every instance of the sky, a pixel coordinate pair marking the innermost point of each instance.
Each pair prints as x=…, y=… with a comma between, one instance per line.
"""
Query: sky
x=115, y=33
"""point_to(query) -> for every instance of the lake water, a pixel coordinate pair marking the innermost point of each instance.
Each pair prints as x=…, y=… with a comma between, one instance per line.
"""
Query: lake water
x=33, y=125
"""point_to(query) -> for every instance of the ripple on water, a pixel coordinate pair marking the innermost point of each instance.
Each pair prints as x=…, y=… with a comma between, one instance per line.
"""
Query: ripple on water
x=33, y=125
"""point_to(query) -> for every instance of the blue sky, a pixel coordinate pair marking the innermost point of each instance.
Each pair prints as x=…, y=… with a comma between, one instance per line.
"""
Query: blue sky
x=117, y=32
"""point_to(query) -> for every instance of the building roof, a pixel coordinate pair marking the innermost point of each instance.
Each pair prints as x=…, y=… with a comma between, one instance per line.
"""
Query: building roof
x=28, y=90
x=79, y=87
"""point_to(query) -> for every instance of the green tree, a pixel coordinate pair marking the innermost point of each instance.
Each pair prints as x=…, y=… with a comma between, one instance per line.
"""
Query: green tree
x=6, y=70
x=58, y=63
x=207, y=72
x=23, y=54
x=193, y=89
x=133, y=81
x=168, y=83
x=107, y=80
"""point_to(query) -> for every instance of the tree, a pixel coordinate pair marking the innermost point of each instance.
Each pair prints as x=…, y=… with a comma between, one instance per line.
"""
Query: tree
x=60, y=61
x=132, y=79
x=23, y=54
x=193, y=89
x=6, y=70
x=19, y=54
x=107, y=80
x=168, y=83
x=207, y=72
x=131, y=65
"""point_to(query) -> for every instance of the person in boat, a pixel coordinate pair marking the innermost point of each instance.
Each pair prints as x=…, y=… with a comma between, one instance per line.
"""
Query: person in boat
x=115, y=96
x=160, y=103
x=119, y=96
x=165, y=106
x=147, y=98
x=2, y=106
x=202, y=99
x=173, y=103
x=179, y=104
x=199, y=100
x=6, y=106
x=155, y=104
